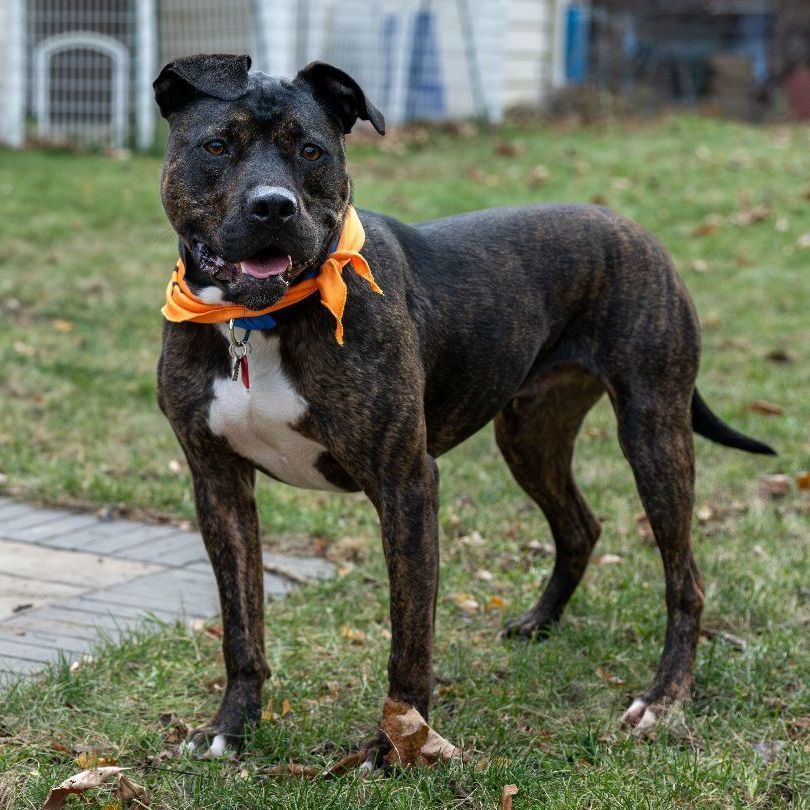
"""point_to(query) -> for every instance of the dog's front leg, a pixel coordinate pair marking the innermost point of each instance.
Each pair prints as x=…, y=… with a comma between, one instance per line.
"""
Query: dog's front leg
x=226, y=511
x=407, y=504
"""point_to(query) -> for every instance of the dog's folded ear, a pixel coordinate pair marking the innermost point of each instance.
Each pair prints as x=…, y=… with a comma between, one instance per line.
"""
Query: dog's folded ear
x=340, y=95
x=220, y=75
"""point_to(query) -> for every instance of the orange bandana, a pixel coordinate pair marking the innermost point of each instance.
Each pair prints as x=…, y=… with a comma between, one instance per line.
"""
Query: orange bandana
x=182, y=305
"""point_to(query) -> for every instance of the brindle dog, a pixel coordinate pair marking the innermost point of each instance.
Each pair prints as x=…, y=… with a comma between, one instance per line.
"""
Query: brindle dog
x=524, y=315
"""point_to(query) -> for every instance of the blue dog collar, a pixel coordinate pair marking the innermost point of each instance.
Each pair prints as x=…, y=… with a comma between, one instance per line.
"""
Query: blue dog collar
x=268, y=322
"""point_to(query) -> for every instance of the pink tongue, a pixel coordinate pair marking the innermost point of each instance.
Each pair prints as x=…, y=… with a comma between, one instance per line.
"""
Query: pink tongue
x=266, y=266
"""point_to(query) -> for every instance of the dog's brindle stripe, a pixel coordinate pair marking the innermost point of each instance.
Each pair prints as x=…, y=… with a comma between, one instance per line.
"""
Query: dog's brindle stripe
x=522, y=315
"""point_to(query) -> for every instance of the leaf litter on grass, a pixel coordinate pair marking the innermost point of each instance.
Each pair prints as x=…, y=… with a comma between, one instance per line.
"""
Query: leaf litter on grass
x=126, y=790
x=414, y=743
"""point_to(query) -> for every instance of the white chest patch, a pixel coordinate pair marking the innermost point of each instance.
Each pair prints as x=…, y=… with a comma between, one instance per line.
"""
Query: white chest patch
x=257, y=422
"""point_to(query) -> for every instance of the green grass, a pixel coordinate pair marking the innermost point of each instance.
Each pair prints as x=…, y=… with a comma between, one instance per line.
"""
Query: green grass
x=86, y=254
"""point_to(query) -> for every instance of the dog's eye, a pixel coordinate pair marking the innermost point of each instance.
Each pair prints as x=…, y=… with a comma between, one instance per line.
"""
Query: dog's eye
x=311, y=152
x=216, y=147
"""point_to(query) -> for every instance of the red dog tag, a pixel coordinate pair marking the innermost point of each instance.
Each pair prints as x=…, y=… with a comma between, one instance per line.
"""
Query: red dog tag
x=243, y=364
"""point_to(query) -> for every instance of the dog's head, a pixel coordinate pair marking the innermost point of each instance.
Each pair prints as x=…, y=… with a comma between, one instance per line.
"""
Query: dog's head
x=254, y=180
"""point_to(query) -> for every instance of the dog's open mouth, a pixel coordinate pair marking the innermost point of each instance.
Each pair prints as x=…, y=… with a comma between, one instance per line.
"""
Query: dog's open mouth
x=266, y=263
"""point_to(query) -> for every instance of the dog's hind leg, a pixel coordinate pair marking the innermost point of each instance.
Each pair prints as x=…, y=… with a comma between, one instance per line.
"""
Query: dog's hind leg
x=536, y=433
x=656, y=437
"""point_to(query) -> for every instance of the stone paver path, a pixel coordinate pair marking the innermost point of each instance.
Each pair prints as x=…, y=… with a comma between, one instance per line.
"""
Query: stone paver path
x=69, y=580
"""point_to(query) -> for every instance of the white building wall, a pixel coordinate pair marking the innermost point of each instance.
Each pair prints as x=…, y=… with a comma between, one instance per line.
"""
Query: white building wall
x=533, y=50
x=12, y=72
x=480, y=56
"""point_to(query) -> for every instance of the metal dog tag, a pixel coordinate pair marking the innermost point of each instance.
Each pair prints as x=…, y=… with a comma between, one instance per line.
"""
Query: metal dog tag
x=239, y=350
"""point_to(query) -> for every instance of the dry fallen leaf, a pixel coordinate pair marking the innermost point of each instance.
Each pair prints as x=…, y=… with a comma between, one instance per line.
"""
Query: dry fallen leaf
x=643, y=527
x=466, y=602
x=750, y=216
x=413, y=741
x=764, y=407
x=75, y=666
x=128, y=791
x=483, y=763
x=61, y=325
x=774, y=486
x=24, y=349
x=346, y=763
x=269, y=715
x=78, y=783
x=803, y=480
x=542, y=549
x=706, y=228
x=350, y=549
x=495, y=603
x=712, y=319
x=508, y=149
x=355, y=636
x=704, y=513
x=294, y=769
x=92, y=759
x=216, y=684
x=779, y=356
x=473, y=539
x=538, y=176
x=735, y=641
x=506, y=796
x=800, y=726
x=608, y=559
x=609, y=677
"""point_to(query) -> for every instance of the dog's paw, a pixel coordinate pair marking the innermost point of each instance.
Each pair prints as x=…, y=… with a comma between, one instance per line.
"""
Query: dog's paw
x=376, y=748
x=209, y=743
x=529, y=627
x=641, y=715
x=648, y=710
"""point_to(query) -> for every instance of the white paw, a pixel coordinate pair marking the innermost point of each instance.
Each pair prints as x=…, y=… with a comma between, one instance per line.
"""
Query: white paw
x=639, y=715
x=219, y=747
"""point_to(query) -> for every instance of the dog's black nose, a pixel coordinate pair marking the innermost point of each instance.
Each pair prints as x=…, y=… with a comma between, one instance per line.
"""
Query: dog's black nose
x=271, y=204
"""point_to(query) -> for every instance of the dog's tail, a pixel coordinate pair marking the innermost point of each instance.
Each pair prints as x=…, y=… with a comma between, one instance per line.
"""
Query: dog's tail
x=708, y=424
